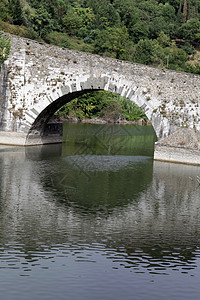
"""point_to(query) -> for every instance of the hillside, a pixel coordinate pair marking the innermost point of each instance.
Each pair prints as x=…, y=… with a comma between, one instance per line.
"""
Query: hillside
x=154, y=32
x=160, y=33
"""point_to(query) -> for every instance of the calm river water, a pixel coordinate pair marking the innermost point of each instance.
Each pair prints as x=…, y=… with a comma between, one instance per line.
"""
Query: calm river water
x=97, y=219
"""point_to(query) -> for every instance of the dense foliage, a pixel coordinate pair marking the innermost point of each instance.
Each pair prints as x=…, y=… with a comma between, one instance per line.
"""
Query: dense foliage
x=163, y=33
x=103, y=105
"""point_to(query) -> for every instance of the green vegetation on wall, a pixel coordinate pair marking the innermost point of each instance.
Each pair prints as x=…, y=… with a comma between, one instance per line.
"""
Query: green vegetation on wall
x=4, y=48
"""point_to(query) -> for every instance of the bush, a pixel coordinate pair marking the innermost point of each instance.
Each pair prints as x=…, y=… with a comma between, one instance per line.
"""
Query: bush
x=146, y=52
x=4, y=47
x=58, y=39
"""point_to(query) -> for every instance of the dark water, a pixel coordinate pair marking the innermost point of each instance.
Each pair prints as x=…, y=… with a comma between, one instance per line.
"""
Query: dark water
x=111, y=224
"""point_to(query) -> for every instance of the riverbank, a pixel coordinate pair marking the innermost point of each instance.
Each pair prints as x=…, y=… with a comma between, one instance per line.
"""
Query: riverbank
x=12, y=138
x=183, y=147
x=52, y=136
x=141, y=122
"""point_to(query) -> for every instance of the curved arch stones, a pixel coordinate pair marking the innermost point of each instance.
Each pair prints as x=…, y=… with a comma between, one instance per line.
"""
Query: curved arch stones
x=40, y=78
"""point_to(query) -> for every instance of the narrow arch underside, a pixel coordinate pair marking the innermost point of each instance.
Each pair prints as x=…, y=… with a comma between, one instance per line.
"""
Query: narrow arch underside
x=49, y=111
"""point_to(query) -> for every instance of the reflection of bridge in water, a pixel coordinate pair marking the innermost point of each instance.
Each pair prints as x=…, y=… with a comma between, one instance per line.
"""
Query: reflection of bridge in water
x=51, y=201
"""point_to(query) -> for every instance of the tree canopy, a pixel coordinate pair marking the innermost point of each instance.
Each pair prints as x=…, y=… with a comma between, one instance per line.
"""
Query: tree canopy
x=162, y=33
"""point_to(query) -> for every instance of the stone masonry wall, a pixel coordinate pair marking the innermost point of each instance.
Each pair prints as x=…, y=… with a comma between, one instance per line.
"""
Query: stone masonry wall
x=42, y=77
x=3, y=89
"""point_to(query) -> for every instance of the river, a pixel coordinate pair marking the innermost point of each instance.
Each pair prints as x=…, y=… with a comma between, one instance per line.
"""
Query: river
x=97, y=218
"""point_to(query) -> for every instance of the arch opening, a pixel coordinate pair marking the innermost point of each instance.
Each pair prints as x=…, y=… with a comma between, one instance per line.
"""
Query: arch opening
x=37, y=132
x=44, y=132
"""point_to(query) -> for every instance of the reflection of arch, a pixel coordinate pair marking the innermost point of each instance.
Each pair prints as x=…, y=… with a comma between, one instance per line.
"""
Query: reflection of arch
x=79, y=177
x=39, y=116
x=136, y=223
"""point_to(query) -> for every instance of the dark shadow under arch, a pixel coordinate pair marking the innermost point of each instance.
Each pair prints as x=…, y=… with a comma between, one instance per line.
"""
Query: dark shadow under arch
x=41, y=132
x=36, y=134
x=48, y=112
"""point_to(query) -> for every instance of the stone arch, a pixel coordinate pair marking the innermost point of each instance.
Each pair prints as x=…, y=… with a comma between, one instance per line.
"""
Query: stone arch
x=48, y=112
x=40, y=75
x=141, y=96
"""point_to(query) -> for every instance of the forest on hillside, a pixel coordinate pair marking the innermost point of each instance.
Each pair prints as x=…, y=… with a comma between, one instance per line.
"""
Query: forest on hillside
x=162, y=33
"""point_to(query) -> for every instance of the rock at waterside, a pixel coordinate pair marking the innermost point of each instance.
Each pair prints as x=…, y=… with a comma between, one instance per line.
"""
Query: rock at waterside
x=182, y=138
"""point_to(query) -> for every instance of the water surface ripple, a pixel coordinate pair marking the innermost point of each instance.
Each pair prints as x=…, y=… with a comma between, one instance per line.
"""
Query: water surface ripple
x=93, y=226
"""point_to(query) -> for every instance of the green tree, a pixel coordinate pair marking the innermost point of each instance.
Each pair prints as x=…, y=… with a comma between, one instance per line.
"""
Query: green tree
x=42, y=22
x=150, y=9
x=78, y=21
x=87, y=18
x=28, y=11
x=129, y=13
x=112, y=41
x=190, y=30
x=193, y=9
x=139, y=31
x=163, y=39
x=174, y=3
x=168, y=13
x=16, y=12
x=157, y=25
x=175, y=57
x=106, y=10
x=60, y=9
x=4, y=12
x=71, y=22
x=146, y=52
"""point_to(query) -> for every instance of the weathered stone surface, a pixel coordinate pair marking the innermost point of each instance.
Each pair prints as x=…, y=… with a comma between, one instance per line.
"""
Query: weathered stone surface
x=183, y=138
x=3, y=88
x=183, y=146
x=177, y=155
x=41, y=78
x=13, y=138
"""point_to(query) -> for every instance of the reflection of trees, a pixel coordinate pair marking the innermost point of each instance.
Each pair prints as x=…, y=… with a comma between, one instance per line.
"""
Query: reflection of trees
x=149, y=221
x=104, y=182
x=108, y=139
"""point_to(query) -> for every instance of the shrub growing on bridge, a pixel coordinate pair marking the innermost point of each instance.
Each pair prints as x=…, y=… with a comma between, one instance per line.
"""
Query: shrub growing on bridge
x=4, y=47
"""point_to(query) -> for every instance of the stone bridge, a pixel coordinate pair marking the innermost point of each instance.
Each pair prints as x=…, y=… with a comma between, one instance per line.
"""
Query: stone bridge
x=37, y=79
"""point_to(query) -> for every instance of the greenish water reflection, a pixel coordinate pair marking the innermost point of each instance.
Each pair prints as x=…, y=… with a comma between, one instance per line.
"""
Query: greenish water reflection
x=94, y=226
x=102, y=182
x=107, y=139
x=105, y=165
